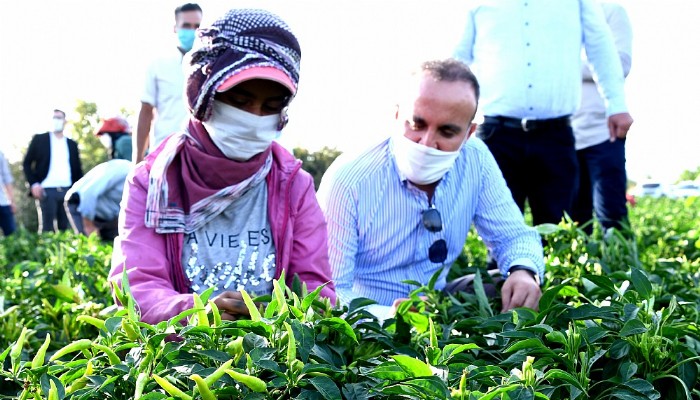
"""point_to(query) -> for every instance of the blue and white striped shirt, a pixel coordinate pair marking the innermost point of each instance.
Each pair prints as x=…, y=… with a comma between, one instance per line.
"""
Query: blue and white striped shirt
x=376, y=237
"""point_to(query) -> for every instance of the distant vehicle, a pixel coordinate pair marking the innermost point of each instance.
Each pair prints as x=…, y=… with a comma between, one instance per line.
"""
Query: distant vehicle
x=685, y=189
x=651, y=189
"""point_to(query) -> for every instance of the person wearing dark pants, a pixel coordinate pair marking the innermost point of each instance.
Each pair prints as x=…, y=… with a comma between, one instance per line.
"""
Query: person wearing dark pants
x=603, y=183
x=527, y=56
x=601, y=155
x=51, y=166
x=537, y=160
x=7, y=204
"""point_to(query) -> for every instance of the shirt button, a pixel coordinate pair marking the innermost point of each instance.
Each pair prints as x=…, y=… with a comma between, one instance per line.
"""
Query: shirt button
x=529, y=64
x=531, y=108
x=527, y=44
x=527, y=24
x=530, y=85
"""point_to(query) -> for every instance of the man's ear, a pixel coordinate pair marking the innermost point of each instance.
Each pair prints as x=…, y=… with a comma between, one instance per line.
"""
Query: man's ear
x=471, y=129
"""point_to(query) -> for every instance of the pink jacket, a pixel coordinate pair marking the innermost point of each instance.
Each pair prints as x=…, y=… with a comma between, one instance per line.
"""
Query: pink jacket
x=296, y=221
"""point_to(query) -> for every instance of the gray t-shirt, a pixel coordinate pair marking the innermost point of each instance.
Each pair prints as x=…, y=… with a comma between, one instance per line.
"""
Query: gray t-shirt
x=234, y=250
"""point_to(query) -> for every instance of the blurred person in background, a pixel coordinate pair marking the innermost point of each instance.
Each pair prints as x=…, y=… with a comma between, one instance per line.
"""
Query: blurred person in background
x=51, y=166
x=7, y=194
x=600, y=152
x=93, y=201
x=163, y=109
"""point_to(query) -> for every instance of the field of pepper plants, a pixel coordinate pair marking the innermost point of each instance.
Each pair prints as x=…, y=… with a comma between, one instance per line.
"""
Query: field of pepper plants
x=618, y=319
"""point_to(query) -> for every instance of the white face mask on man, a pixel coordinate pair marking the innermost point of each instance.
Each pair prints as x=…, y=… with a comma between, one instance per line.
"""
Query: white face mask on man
x=57, y=125
x=241, y=135
x=421, y=164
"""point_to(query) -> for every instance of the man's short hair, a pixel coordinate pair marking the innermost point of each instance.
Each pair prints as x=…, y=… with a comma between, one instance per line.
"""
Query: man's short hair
x=56, y=110
x=451, y=70
x=187, y=7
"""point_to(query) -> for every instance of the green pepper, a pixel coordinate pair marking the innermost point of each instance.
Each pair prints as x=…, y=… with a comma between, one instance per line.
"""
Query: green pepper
x=16, y=351
x=202, y=319
x=111, y=355
x=141, y=381
x=96, y=322
x=252, y=382
x=171, y=389
x=53, y=391
x=78, y=345
x=203, y=388
x=214, y=376
x=38, y=359
x=132, y=333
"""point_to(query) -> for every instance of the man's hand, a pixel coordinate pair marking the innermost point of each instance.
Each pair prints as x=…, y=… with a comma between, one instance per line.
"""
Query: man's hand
x=231, y=305
x=619, y=124
x=520, y=290
x=37, y=191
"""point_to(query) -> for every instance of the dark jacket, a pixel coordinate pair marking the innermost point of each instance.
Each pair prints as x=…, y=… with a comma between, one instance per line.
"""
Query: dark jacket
x=38, y=158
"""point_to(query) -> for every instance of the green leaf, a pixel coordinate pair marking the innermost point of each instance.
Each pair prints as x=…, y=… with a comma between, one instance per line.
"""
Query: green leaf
x=633, y=327
x=328, y=389
x=589, y=311
x=388, y=372
x=641, y=283
x=556, y=337
x=481, y=299
x=453, y=349
x=531, y=345
x=309, y=299
x=602, y=282
x=620, y=348
x=556, y=374
x=339, y=325
x=627, y=370
x=548, y=229
x=549, y=296
x=305, y=339
x=413, y=367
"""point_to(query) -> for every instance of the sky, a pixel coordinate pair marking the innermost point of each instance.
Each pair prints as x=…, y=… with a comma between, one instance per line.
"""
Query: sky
x=354, y=53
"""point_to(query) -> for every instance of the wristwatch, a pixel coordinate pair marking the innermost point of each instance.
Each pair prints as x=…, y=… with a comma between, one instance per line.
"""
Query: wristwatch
x=535, y=276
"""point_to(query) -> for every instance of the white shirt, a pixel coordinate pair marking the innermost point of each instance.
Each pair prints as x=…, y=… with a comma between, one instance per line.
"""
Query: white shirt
x=526, y=55
x=164, y=90
x=59, y=165
x=589, y=122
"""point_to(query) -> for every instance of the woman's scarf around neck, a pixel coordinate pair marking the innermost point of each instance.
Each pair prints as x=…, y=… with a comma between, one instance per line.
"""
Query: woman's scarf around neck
x=191, y=181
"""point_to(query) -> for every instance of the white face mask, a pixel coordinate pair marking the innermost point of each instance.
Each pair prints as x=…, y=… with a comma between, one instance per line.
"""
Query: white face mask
x=241, y=135
x=421, y=164
x=57, y=125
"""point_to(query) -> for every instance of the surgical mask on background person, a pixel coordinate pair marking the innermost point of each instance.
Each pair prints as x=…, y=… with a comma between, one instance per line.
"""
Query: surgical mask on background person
x=421, y=164
x=186, y=38
x=106, y=140
x=57, y=125
x=241, y=135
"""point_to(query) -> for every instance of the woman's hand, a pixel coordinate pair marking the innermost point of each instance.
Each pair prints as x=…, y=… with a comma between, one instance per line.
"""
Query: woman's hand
x=231, y=305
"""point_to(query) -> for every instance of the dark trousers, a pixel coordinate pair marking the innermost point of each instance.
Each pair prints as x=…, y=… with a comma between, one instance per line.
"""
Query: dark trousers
x=7, y=220
x=50, y=208
x=602, y=185
x=538, y=165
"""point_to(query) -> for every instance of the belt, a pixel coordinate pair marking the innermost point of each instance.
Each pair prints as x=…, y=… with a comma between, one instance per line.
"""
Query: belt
x=59, y=189
x=527, y=124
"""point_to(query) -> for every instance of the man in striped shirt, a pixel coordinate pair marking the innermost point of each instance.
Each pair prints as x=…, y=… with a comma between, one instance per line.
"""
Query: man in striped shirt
x=402, y=209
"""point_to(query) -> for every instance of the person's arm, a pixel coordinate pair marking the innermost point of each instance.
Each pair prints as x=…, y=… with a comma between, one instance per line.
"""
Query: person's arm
x=10, y=190
x=143, y=128
x=309, y=253
x=606, y=66
x=144, y=254
x=502, y=227
x=30, y=158
x=465, y=47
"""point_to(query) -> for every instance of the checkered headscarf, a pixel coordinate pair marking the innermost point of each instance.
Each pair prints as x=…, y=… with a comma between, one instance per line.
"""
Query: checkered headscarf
x=241, y=39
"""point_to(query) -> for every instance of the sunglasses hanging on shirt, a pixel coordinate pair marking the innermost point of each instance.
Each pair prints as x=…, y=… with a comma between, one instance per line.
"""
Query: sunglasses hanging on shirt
x=437, y=253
